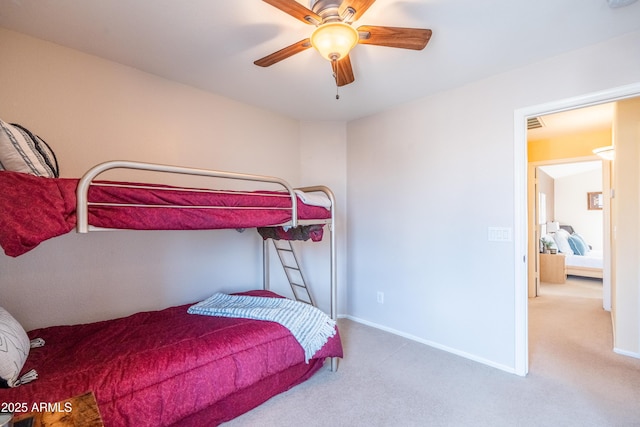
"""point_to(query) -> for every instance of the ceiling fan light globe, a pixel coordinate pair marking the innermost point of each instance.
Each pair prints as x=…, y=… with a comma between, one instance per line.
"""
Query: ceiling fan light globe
x=334, y=40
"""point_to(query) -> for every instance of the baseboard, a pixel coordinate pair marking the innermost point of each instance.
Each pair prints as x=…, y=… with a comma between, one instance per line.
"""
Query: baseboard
x=626, y=353
x=509, y=369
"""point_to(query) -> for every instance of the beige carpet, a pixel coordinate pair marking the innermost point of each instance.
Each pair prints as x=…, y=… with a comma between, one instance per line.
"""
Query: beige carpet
x=385, y=380
x=583, y=287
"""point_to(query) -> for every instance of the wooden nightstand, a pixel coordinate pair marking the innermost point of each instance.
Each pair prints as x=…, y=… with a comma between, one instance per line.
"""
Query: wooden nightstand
x=552, y=269
x=79, y=411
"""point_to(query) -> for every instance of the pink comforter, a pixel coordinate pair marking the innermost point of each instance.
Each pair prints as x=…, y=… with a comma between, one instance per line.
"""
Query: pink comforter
x=34, y=209
x=168, y=367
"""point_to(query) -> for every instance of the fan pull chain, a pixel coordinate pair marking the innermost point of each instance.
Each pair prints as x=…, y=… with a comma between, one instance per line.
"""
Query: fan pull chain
x=334, y=67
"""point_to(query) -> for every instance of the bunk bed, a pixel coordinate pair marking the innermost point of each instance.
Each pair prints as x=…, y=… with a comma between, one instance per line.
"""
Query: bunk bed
x=165, y=367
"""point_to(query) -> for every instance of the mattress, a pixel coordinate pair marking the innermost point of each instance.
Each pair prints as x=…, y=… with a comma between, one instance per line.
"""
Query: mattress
x=593, y=259
x=34, y=209
x=168, y=367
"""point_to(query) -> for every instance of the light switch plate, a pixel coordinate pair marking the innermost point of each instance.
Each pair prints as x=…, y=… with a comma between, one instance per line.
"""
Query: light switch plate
x=499, y=234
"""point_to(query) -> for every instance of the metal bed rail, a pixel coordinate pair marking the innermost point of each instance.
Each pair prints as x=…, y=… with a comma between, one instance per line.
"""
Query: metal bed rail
x=333, y=256
x=332, y=244
x=82, y=202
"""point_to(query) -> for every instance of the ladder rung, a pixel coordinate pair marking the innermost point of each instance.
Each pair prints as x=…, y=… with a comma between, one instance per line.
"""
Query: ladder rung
x=299, y=297
x=295, y=287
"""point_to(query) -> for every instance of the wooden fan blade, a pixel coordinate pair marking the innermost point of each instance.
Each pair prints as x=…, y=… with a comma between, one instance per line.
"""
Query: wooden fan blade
x=283, y=53
x=295, y=9
x=359, y=6
x=343, y=71
x=405, y=38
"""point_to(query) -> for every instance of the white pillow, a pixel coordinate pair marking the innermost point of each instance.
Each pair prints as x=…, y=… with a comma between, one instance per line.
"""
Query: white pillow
x=564, y=233
x=22, y=151
x=14, y=349
x=562, y=240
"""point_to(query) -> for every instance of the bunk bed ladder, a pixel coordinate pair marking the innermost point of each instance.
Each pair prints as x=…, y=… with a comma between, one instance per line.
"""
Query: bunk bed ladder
x=291, y=266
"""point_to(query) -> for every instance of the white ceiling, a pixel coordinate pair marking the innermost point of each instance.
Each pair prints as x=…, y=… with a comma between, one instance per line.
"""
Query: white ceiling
x=588, y=119
x=211, y=44
x=570, y=169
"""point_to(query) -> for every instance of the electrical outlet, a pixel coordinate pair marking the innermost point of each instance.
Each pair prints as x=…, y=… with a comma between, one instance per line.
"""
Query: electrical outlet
x=380, y=297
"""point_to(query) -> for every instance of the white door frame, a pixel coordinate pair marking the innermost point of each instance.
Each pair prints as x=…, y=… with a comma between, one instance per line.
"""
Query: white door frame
x=520, y=202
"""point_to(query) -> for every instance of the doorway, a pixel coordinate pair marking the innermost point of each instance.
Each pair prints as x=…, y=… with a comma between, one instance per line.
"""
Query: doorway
x=521, y=240
x=565, y=189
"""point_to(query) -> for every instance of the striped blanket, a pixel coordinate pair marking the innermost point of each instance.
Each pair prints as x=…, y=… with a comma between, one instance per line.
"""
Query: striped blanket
x=309, y=325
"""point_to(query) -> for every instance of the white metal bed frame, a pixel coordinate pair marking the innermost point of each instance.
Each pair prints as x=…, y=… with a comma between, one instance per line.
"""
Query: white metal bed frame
x=87, y=179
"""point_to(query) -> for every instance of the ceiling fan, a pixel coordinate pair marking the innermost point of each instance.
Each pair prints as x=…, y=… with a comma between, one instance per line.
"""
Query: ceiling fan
x=334, y=37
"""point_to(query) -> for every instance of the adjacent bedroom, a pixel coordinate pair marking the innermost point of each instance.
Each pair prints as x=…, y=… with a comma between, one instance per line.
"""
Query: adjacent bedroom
x=570, y=183
x=575, y=230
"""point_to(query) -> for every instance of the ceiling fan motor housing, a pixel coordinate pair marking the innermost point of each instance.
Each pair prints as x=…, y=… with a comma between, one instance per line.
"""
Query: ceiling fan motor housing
x=327, y=10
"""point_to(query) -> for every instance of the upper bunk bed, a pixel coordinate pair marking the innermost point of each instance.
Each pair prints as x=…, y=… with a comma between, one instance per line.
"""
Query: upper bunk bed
x=34, y=209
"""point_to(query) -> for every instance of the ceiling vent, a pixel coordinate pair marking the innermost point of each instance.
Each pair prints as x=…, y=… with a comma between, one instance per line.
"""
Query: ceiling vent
x=534, y=123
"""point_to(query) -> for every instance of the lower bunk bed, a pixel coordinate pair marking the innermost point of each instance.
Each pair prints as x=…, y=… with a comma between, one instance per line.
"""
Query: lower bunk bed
x=168, y=367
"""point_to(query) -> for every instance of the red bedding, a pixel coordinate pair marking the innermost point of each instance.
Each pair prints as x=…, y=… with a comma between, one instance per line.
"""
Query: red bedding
x=168, y=367
x=34, y=209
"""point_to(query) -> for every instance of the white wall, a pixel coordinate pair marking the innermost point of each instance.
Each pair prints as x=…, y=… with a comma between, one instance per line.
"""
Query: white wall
x=571, y=205
x=427, y=179
x=90, y=110
x=323, y=158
